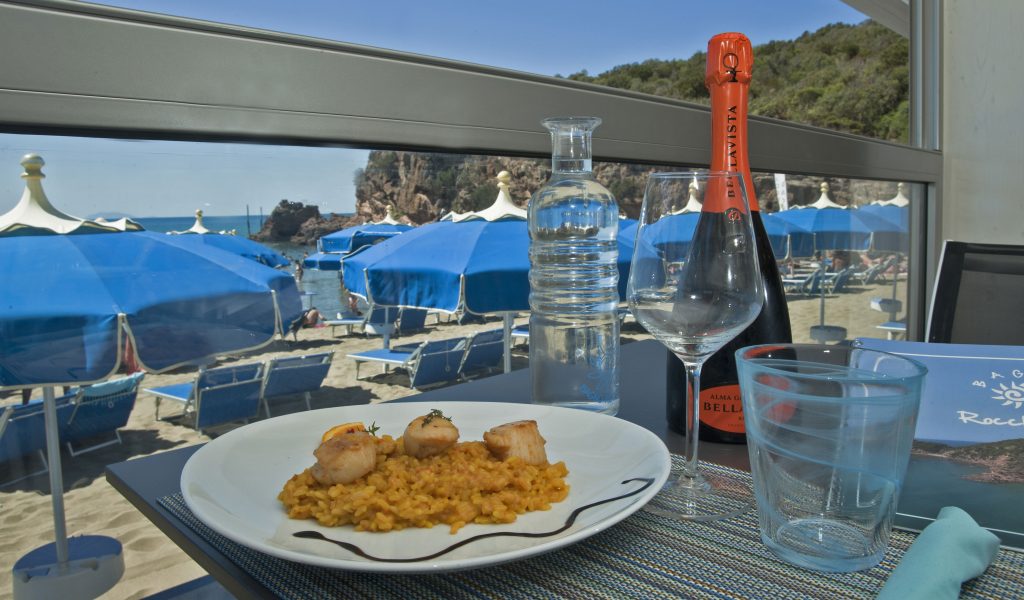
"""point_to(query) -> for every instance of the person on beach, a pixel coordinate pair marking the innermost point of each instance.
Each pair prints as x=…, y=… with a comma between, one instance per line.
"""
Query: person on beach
x=298, y=271
x=310, y=318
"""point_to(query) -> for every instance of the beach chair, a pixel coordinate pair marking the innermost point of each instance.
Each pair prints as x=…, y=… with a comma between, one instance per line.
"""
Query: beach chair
x=100, y=410
x=294, y=375
x=428, y=363
x=484, y=351
x=23, y=437
x=230, y=394
x=838, y=283
x=808, y=285
x=521, y=332
x=373, y=321
x=410, y=320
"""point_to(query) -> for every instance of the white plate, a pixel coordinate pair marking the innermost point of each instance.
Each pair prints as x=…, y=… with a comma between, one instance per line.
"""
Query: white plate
x=231, y=485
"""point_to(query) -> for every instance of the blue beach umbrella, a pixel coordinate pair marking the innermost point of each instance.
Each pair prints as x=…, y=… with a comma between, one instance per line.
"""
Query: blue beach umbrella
x=899, y=215
x=199, y=237
x=474, y=264
x=234, y=244
x=779, y=234
x=74, y=292
x=66, y=324
x=844, y=229
x=893, y=241
x=479, y=266
x=351, y=239
x=788, y=240
x=323, y=261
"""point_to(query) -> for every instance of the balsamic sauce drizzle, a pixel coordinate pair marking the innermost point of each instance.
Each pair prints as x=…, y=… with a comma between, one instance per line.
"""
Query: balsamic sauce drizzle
x=316, y=535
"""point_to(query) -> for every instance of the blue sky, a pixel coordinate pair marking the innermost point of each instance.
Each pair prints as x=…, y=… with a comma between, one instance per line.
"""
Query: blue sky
x=150, y=178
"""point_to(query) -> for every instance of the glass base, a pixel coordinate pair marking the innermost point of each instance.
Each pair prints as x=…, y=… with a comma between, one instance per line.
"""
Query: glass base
x=709, y=496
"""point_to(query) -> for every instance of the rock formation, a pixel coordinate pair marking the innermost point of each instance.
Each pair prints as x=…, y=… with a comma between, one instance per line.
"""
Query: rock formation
x=423, y=186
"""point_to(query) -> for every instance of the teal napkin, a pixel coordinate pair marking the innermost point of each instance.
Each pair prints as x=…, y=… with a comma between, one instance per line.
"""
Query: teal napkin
x=950, y=551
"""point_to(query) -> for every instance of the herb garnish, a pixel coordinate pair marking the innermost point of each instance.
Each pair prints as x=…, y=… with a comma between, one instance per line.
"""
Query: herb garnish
x=374, y=428
x=434, y=414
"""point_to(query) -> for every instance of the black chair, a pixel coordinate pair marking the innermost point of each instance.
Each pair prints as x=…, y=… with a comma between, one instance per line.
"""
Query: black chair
x=977, y=297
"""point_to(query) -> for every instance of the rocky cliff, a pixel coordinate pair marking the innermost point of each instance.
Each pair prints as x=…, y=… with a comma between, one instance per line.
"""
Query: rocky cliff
x=300, y=224
x=424, y=186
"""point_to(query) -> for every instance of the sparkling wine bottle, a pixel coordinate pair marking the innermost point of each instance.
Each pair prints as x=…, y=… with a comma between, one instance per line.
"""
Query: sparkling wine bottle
x=727, y=77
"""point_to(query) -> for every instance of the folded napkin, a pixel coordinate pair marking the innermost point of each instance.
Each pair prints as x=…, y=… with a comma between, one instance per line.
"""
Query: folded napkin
x=950, y=551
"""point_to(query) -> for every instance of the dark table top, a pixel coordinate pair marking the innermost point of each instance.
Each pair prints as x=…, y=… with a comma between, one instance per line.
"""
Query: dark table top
x=144, y=481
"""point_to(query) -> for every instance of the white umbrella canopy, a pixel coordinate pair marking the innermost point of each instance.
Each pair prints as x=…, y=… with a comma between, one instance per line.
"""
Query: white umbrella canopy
x=503, y=208
x=823, y=200
x=33, y=214
x=900, y=199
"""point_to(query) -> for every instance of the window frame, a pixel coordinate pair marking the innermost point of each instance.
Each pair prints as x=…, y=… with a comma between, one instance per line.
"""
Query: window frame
x=160, y=80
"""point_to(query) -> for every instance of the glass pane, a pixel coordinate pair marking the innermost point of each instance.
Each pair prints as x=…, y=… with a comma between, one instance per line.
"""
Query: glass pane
x=309, y=193
x=818, y=62
x=845, y=259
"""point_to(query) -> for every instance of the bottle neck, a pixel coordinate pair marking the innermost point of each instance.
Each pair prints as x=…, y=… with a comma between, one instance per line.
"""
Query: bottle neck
x=571, y=148
x=571, y=151
x=729, y=133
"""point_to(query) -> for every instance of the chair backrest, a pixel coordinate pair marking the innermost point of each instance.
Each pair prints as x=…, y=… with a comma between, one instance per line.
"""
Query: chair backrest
x=103, y=407
x=484, y=350
x=437, y=361
x=212, y=377
x=225, y=400
x=842, y=278
x=23, y=428
x=296, y=374
x=379, y=318
x=412, y=319
x=977, y=295
x=812, y=284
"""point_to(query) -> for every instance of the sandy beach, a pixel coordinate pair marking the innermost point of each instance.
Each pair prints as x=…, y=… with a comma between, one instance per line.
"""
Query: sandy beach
x=154, y=563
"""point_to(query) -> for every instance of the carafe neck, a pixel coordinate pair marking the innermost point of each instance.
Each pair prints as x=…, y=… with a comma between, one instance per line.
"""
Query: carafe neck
x=571, y=137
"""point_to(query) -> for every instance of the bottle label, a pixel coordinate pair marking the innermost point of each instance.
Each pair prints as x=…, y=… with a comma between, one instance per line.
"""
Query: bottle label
x=722, y=408
x=727, y=76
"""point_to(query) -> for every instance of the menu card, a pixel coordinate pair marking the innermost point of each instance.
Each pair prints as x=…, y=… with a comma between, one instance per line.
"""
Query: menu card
x=969, y=445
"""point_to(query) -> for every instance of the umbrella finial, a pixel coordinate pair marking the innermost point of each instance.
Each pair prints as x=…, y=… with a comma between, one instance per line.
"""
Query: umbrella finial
x=34, y=211
x=33, y=165
x=503, y=207
x=824, y=187
x=389, y=218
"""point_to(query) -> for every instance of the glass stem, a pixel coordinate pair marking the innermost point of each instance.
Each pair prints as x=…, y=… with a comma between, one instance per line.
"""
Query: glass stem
x=693, y=418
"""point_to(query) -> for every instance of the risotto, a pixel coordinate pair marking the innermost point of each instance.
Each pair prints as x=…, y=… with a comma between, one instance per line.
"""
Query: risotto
x=465, y=484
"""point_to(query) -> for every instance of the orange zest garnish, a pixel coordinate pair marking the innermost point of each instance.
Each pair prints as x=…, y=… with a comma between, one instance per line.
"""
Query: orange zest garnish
x=342, y=429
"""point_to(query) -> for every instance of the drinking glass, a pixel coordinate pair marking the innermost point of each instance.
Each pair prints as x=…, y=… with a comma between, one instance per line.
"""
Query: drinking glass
x=694, y=284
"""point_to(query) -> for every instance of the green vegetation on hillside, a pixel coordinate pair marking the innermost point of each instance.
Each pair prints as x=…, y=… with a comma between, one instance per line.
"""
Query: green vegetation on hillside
x=852, y=78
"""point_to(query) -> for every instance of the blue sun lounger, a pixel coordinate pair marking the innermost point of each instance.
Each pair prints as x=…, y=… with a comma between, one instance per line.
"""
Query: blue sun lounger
x=100, y=410
x=294, y=375
x=23, y=437
x=484, y=352
x=428, y=363
x=217, y=396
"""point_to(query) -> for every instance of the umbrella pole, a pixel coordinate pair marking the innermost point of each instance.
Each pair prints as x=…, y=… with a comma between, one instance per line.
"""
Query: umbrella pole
x=821, y=285
x=507, y=341
x=56, y=480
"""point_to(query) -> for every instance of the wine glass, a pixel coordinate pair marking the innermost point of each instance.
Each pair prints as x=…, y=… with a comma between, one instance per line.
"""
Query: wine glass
x=694, y=284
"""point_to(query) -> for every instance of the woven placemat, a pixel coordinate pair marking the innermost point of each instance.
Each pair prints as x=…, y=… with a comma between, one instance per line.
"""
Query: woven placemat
x=644, y=556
